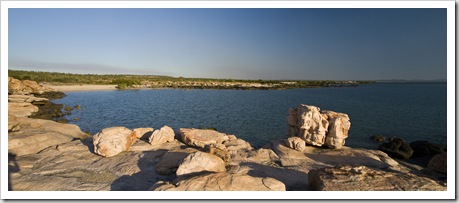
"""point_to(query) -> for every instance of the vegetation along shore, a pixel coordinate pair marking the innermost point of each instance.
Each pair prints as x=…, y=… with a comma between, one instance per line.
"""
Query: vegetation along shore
x=157, y=81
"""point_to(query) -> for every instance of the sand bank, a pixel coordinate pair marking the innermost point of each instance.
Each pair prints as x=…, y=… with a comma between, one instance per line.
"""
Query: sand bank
x=78, y=88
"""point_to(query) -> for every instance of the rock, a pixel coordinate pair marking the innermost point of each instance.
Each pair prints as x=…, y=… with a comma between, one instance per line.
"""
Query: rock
x=338, y=128
x=24, y=87
x=313, y=158
x=361, y=178
x=312, y=125
x=13, y=124
x=234, y=144
x=222, y=182
x=21, y=109
x=426, y=148
x=29, y=125
x=200, y=161
x=163, y=135
x=143, y=133
x=397, y=148
x=171, y=160
x=112, y=141
x=317, y=127
x=296, y=143
x=438, y=163
x=24, y=98
x=30, y=144
x=378, y=138
x=35, y=135
x=219, y=151
x=72, y=166
x=51, y=94
x=201, y=138
x=48, y=110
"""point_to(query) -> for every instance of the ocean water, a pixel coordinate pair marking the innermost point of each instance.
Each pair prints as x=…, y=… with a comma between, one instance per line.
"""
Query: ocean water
x=410, y=111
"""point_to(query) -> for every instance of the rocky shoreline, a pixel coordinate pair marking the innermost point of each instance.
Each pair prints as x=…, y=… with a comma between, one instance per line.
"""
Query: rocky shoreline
x=45, y=155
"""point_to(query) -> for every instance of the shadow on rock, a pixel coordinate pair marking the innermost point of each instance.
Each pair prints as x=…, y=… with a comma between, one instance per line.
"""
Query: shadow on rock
x=294, y=180
x=13, y=167
x=145, y=178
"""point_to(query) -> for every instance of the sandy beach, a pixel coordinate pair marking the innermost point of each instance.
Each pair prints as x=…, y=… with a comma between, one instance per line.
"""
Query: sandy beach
x=78, y=88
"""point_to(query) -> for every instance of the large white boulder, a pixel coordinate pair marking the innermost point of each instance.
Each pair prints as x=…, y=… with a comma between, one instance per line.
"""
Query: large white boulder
x=112, y=141
x=163, y=135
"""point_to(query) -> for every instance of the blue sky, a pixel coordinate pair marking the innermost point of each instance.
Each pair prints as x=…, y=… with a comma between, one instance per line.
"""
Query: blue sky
x=304, y=44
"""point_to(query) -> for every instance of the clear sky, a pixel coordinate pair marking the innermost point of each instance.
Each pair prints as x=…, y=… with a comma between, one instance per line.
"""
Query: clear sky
x=305, y=44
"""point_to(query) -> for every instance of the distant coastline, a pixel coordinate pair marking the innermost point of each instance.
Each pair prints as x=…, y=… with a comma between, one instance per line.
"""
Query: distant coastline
x=83, y=82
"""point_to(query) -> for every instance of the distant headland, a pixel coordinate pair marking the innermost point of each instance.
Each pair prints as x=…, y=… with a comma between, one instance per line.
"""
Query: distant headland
x=76, y=82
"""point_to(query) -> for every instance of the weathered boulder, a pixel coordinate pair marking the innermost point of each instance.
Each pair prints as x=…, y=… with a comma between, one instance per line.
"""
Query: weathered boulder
x=397, y=148
x=312, y=125
x=143, y=133
x=112, y=141
x=222, y=182
x=438, y=163
x=338, y=128
x=317, y=127
x=201, y=138
x=296, y=143
x=361, y=178
x=426, y=148
x=163, y=135
x=201, y=161
x=24, y=87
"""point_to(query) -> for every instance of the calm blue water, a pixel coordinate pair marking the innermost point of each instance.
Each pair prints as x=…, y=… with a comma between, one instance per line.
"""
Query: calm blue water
x=411, y=111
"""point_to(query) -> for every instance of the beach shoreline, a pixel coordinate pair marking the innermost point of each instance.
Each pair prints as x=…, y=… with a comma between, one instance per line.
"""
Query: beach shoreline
x=81, y=88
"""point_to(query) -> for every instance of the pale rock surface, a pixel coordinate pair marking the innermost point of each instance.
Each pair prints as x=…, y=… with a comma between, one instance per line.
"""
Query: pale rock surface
x=312, y=125
x=72, y=166
x=222, y=182
x=201, y=161
x=163, y=135
x=13, y=124
x=338, y=128
x=24, y=98
x=112, y=141
x=24, y=87
x=143, y=132
x=21, y=109
x=34, y=135
x=361, y=178
x=234, y=144
x=296, y=143
x=201, y=138
x=23, y=144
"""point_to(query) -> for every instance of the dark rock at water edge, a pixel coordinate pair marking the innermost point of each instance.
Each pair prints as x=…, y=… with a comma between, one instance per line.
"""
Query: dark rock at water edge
x=396, y=148
x=426, y=148
x=377, y=138
x=48, y=110
x=51, y=95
